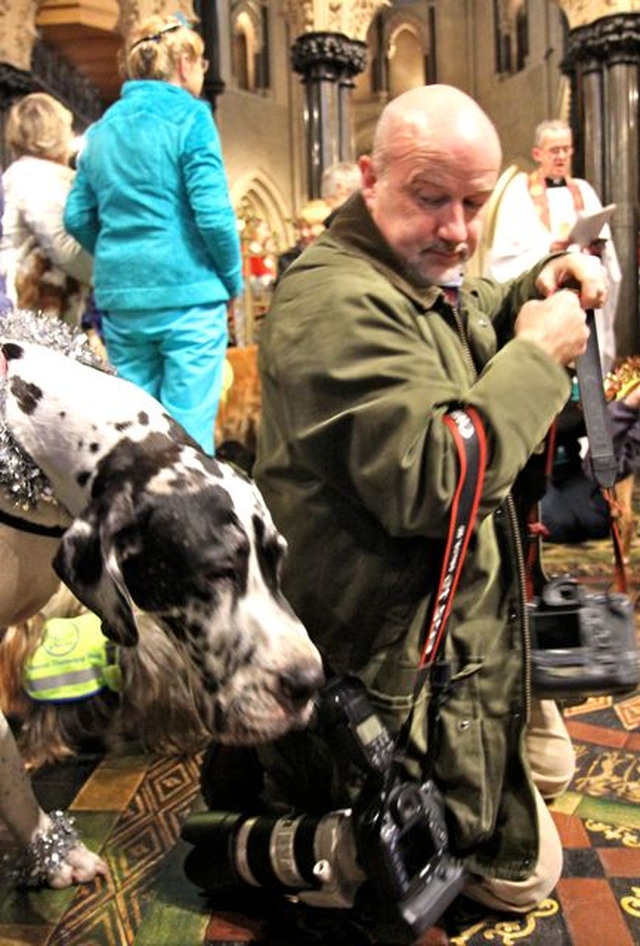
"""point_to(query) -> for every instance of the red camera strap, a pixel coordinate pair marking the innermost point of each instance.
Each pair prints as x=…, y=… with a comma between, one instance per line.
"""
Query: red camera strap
x=470, y=440
x=471, y=443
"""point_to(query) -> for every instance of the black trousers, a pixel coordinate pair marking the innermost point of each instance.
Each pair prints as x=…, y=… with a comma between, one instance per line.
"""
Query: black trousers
x=574, y=510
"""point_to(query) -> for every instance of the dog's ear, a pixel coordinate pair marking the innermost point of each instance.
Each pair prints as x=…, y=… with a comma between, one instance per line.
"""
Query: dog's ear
x=87, y=562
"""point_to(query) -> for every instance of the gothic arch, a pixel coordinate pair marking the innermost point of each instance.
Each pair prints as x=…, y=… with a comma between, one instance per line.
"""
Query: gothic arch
x=256, y=197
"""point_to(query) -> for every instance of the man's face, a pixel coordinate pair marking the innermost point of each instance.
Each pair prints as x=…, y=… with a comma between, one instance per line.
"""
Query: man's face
x=427, y=203
x=554, y=154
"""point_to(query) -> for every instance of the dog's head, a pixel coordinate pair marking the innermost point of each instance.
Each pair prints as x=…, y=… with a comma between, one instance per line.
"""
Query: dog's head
x=163, y=528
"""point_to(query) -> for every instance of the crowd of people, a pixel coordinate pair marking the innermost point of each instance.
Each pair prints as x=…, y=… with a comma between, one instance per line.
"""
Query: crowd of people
x=374, y=337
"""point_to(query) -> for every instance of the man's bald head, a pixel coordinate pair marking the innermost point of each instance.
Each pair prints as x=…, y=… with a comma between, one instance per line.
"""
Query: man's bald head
x=440, y=113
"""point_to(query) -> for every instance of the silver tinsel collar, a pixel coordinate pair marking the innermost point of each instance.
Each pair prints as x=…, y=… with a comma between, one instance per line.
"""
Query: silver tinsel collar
x=24, y=483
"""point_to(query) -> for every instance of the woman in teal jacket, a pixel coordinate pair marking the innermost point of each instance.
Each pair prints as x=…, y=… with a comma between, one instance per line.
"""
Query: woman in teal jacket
x=151, y=202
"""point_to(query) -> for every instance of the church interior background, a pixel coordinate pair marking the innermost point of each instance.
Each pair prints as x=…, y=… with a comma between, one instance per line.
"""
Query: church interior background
x=298, y=85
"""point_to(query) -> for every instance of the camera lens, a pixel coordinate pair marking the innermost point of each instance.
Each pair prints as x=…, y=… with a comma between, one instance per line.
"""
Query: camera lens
x=277, y=852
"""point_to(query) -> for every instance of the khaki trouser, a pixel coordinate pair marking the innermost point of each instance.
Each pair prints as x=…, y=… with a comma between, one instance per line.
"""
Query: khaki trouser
x=552, y=764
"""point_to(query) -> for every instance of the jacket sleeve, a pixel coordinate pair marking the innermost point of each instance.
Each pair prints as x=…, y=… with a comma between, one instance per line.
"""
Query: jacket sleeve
x=362, y=394
x=81, y=211
x=44, y=216
x=208, y=193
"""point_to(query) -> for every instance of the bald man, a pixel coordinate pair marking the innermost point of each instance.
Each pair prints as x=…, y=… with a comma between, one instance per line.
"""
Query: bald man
x=373, y=336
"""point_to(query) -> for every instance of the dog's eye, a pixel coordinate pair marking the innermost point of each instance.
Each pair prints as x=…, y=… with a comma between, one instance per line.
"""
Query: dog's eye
x=270, y=556
x=220, y=574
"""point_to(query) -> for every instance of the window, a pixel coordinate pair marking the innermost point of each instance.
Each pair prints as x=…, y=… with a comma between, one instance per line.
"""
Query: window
x=511, y=35
x=250, y=45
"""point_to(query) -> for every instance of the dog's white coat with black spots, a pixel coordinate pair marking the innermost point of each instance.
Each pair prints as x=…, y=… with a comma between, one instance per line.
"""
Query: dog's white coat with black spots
x=159, y=525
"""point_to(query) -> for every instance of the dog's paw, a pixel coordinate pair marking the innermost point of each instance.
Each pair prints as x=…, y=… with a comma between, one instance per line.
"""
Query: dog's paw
x=56, y=857
x=80, y=866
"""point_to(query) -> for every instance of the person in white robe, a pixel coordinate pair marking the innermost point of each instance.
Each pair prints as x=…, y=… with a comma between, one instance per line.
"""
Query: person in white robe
x=535, y=216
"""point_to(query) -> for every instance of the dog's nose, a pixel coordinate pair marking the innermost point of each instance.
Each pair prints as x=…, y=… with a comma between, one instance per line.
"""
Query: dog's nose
x=300, y=683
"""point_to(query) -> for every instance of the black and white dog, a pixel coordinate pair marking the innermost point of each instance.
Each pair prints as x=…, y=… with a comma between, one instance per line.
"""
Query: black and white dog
x=153, y=524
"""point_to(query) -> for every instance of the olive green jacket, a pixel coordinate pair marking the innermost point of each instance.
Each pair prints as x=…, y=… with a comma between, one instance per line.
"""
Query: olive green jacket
x=358, y=367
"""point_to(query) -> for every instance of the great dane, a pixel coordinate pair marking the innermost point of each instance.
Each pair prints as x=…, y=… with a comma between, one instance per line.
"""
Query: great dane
x=153, y=524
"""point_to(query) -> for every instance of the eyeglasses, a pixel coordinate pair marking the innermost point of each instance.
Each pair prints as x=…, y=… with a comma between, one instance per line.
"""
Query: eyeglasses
x=559, y=149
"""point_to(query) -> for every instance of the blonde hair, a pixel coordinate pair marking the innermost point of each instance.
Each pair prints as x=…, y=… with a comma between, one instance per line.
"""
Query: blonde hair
x=157, y=45
x=40, y=126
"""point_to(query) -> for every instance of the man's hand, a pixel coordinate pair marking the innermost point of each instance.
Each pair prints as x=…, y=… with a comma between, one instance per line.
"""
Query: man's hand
x=557, y=325
x=575, y=270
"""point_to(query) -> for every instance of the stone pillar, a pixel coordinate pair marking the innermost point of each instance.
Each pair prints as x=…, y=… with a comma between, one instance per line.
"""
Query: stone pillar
x=602, y=62
x=328, y=52
x=214, y=86
x=328, y=63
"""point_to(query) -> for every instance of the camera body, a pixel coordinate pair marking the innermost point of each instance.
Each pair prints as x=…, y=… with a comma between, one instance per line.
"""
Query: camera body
x=391, y=846
x=403, y=846
x=582, y=644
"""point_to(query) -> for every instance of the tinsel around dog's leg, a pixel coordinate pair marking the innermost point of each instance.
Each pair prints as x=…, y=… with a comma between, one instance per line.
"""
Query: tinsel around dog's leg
x=49, y=845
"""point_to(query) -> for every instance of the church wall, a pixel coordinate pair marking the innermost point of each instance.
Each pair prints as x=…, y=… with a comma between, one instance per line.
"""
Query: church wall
x=259, y=131
x=516, y=102
x=519, y=102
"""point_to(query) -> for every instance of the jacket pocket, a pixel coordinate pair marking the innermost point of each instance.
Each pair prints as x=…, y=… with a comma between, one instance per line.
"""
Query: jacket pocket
x=468, y=765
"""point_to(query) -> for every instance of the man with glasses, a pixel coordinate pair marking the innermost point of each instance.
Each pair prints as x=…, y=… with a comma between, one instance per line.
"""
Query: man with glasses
x=535, y=216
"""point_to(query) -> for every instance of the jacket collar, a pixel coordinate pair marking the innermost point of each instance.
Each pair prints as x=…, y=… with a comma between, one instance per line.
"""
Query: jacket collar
x=354, y=226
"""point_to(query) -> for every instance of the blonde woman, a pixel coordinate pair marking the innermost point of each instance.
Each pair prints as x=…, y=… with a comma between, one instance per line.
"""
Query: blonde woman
x=44, y=267
x=151, y=202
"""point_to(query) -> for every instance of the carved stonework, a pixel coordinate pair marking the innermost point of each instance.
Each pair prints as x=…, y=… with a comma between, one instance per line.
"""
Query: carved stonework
x=17, y=32
x=608, y=40
x=331, y=54
x=50, y=71
x=350, y=17
x=583, y=12
x=133, y=11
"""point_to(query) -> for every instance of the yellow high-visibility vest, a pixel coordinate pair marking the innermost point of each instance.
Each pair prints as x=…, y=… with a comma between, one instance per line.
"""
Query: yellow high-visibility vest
x=74, y=661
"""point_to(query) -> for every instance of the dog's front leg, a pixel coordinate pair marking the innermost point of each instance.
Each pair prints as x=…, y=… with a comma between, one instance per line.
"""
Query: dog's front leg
x=47, y=859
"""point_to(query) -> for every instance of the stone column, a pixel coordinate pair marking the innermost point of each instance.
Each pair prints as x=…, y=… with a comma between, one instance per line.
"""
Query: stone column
x=602, y=62
x=328, y=63
x=328, y=52
x=214, y=86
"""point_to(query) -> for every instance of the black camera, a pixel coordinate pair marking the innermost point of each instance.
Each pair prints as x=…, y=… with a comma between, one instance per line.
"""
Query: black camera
x=390, y=848
x=582, y=644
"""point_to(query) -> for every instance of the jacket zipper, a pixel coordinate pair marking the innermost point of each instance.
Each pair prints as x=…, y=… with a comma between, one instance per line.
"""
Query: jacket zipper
x=516, y=543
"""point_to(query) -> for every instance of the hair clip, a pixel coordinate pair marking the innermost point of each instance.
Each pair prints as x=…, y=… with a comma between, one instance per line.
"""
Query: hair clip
x=171, y=28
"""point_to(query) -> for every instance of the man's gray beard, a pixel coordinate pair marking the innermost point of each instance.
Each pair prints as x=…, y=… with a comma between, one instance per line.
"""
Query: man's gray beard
x=449, y=277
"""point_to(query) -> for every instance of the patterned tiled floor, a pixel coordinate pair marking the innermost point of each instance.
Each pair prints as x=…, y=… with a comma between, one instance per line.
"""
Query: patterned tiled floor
x=132, y=809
